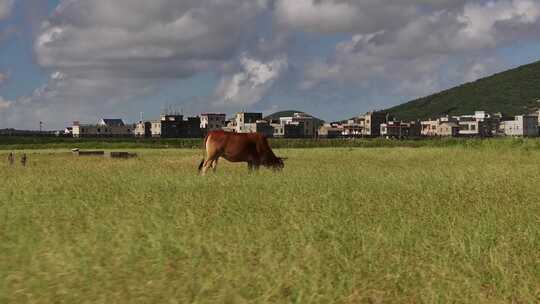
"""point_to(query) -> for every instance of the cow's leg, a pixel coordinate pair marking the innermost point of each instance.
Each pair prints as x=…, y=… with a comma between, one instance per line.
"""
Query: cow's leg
x=207, y=164
x=211, y=162
x=214, y=164
x=253, y=166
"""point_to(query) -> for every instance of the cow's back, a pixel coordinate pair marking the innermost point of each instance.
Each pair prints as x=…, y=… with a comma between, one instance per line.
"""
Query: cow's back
x=234, y=147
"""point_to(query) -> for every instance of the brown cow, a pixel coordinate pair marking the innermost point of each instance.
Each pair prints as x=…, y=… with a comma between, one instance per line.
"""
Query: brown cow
x=252, y=148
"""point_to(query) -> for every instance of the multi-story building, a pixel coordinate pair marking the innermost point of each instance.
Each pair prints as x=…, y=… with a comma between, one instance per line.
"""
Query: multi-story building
x=331, y=131
x=174, y=126
x=104, y=128
x=245, y=122
x=429, y=127
x=522, y=126
x=143, y=129
x=372, y=123
x=213, y=121
x=294, y=129
x=400, y=130
x=481, y=124
x=279, y=130
x=447, y=129
x=367, y=125
x=470, y=127
x=309, y=124
x=265, y=128
x=354, y=127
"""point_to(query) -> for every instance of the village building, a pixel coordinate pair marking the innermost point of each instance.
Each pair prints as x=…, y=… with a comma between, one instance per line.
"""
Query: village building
x=213, y=121
x=367, y=125
x=308, y=124
x=429, y=127
x=68, y=131
x=246, y=122
x=294, y=129
x=354, y=128
x=447, y=129
x=372, y=123
x=143, y=129
x=522, y=126
x=400, y=130
x=175, y=126
x=481, y=124
x=265, y=128
x=278, y=129
x=330, y=131
x=469, y=127
x=104, y=128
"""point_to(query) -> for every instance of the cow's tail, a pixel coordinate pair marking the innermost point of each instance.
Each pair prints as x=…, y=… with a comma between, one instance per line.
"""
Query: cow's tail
x=204, y=149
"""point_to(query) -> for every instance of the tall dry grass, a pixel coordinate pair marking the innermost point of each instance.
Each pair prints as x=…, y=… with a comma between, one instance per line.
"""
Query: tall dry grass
x=428, y=225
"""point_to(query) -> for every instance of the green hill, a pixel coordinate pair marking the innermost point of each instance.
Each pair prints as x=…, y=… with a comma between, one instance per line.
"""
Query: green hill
x=512, y=92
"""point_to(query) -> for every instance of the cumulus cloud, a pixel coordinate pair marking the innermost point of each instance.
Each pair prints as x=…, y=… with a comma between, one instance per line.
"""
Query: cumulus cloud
x=4, y=104
x=338, y=16
x=68, y=97
x=409, y=59
x=252, y=83
x=5, y=8
x=150, y=39
x=102, y=53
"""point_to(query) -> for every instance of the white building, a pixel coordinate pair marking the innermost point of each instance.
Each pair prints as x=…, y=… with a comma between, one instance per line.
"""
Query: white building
x=430, y=127
x=522, y=126
x=104, y=128
x=213, y=121
x=143, y=129
x=310, y=125
x=245, y=122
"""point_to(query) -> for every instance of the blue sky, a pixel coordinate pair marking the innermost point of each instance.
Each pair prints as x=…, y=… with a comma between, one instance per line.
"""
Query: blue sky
x=62, y=60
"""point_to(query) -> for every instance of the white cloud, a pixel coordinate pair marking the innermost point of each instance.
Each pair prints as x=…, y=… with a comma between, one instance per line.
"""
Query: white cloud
x=156, y=39
x=338, y=16
x=410, y=59
x=104, y=53
x=4, y=104
x=5, y=8
x=250, y=85
x=485, y=23
x=66, y=97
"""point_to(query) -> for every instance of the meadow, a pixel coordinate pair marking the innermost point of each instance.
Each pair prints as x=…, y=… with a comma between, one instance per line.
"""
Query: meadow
x=456, y=224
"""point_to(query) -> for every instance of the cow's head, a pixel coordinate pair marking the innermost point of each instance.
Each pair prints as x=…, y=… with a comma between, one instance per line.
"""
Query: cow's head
x=278, y=164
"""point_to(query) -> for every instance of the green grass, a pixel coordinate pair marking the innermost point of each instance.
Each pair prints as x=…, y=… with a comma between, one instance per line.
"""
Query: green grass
x=41, y=143
x=381, y=225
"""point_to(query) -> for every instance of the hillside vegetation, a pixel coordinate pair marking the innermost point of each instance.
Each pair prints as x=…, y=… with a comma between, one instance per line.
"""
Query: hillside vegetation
x=512, y=92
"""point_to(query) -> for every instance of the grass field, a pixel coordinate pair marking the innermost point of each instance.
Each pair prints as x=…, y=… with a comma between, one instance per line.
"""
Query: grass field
x=380, y=225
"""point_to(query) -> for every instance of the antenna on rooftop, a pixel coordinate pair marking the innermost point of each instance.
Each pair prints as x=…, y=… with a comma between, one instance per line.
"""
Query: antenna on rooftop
x=142, y=116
